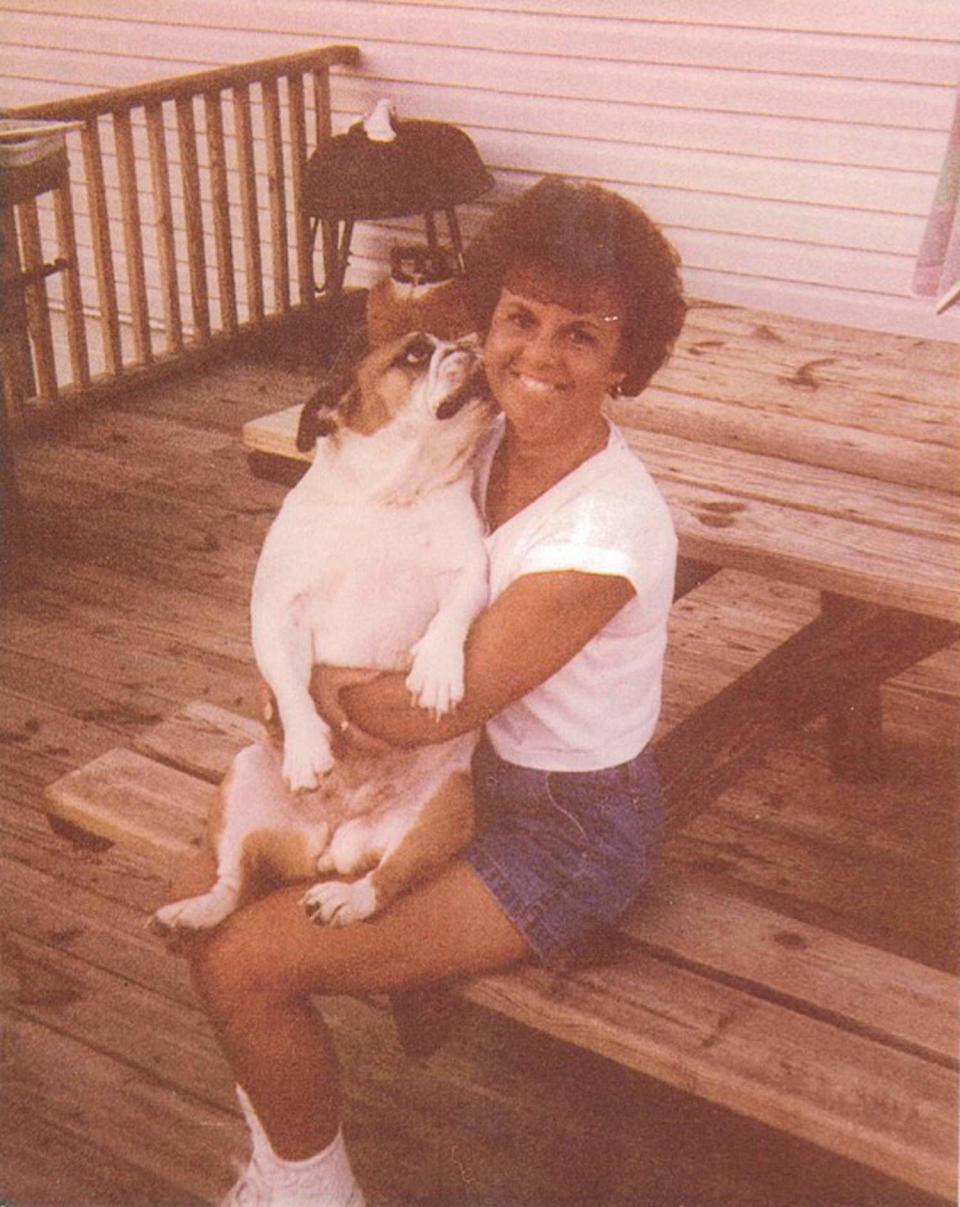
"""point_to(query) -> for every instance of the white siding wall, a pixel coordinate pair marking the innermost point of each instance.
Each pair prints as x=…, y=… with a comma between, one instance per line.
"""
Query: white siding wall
x=791, y=148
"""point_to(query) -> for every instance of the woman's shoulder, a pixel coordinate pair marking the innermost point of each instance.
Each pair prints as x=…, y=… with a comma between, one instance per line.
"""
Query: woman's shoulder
x=610, y=500
x=620, y=472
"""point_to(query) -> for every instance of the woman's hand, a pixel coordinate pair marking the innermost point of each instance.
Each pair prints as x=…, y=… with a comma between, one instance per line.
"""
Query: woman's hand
x=326, y=684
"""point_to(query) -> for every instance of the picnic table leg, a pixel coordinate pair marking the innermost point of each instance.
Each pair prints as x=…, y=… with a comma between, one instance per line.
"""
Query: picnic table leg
x=840, y=658
x=854, y=729
x=692, y=574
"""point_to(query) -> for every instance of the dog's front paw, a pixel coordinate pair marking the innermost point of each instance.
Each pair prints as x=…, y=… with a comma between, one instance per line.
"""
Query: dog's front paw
x=306, y=754
x=340, y=902
x=435, y=680
x=196, y=913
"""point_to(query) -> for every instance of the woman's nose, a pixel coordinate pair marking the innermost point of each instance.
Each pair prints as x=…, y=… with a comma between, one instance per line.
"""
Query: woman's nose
x=540, y=348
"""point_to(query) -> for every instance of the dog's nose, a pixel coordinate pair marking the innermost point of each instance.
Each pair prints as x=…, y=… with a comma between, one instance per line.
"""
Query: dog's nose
x=458, y=359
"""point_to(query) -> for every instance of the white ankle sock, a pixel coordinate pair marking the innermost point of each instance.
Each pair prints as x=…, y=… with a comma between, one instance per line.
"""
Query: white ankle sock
x=322, y=1180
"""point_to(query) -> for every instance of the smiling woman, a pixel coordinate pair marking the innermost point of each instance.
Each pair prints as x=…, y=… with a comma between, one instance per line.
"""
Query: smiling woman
x=577, y=294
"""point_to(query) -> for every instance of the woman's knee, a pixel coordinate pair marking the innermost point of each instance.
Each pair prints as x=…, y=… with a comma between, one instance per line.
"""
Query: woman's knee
x=233, y=970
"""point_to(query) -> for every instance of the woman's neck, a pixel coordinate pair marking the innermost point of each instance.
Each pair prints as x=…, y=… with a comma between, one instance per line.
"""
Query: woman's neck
x=561, y=453
x=525, y=468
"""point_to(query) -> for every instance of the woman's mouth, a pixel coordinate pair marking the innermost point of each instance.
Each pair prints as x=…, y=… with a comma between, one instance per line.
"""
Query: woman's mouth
x=537, y=385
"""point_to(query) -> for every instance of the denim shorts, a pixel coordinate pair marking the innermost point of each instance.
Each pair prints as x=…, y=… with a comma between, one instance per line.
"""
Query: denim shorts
x=564, y=852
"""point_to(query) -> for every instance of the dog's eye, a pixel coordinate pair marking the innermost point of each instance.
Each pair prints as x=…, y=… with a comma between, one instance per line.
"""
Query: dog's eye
x=418, y=351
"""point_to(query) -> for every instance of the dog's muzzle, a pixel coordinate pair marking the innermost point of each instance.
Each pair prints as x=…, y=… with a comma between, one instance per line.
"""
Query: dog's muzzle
x=473, y=389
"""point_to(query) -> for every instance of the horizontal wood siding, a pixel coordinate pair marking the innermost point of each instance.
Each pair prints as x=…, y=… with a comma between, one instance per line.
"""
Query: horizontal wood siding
x=791, y=150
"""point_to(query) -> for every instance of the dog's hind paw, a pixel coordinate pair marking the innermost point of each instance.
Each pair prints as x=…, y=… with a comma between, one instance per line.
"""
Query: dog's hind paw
x=340, y=902
x=196, y=913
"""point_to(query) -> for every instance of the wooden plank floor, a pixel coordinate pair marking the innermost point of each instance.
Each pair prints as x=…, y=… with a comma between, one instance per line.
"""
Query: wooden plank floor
x=129, y=599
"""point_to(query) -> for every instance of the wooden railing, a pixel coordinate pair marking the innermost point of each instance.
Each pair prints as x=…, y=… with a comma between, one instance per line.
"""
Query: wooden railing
x=178, y=227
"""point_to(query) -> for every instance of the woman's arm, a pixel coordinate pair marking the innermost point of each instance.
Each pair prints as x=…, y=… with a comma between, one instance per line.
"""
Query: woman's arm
x=530, y=631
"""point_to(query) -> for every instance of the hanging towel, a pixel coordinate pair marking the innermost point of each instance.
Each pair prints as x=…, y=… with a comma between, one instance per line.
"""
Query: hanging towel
x=938, y=262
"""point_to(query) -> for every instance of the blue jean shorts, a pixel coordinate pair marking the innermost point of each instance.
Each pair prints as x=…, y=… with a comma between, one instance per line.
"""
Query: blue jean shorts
x=564, y=853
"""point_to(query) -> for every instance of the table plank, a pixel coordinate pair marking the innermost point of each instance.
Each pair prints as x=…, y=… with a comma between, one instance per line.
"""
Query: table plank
x=878, y=542
x=793, y=433
x=895, y=1000
x=921, y=369
x=201, y=740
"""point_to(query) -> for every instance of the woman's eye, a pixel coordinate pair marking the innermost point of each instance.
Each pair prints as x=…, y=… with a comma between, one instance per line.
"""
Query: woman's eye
x=582, y=339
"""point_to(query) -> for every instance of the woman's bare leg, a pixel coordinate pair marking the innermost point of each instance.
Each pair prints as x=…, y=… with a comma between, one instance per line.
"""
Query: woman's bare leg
x=257, y=971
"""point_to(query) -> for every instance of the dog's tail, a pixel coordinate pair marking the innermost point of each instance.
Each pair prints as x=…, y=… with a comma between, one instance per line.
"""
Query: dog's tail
x=316, y=419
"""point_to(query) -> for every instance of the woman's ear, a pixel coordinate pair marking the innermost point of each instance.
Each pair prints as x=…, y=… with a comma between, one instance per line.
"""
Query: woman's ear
x=615, y=381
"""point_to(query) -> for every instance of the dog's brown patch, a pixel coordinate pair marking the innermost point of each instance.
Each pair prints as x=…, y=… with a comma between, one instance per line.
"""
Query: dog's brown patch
x=290, y=854
x=444, y=827
x=384, y=381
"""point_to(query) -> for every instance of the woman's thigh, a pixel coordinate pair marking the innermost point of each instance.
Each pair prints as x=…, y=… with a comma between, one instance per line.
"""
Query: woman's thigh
x=450, y=926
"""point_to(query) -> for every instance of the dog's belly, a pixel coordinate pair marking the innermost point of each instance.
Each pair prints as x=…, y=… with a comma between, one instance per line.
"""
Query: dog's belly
x=369, y=620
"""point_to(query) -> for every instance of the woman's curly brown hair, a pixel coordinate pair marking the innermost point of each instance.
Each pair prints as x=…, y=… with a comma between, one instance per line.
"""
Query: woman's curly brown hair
x=587, y=234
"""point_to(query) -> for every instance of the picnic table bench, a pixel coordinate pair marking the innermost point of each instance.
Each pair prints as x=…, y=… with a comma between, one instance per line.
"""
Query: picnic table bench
x=811, y=456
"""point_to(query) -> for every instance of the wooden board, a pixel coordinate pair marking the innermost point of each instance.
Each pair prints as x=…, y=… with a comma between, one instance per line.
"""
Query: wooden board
x=841, y=1044
x=126, y=798
x=854, y=1097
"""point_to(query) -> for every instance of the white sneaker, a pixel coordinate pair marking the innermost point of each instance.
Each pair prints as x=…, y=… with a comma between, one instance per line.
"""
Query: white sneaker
x=325, y=1180
x=250, y=1190
x=258, y=1188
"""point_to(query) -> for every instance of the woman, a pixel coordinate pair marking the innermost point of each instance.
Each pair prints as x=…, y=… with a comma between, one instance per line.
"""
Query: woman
x=578, y=296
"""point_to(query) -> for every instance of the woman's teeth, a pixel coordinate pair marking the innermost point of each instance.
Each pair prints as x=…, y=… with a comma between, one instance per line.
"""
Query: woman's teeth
x=536, y=384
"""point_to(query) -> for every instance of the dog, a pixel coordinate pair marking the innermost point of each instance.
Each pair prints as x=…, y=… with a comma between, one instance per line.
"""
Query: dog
x=375, y=560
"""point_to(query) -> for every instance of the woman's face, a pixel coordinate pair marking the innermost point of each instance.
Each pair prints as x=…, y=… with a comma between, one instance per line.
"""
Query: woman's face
x=551, y=354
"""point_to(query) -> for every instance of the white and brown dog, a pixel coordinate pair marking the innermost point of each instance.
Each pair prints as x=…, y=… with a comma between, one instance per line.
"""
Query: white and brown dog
x=376, y=559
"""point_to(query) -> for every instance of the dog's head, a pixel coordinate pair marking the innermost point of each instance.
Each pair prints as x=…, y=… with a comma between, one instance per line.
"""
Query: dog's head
x=415, y=376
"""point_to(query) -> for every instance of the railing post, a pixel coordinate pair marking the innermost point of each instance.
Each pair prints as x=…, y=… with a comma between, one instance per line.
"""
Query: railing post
x=216, y=150
x=38, y=313
x=277, y=193
x=298, y=161
x=133, y=235
x=324, y=129
x=193, y=216
x=248, y=201
x=163, y=208
x=102, y=251
x=72, y=294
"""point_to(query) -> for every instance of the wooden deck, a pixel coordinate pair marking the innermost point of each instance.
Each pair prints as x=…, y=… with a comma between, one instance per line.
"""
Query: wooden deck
x=128, y=600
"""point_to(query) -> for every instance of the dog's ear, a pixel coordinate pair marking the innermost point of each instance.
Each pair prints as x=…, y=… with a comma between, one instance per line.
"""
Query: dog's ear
x=317, y=418
x=350, y=410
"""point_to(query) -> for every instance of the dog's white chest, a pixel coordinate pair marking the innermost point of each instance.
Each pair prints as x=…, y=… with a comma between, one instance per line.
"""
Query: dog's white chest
x=365, y=579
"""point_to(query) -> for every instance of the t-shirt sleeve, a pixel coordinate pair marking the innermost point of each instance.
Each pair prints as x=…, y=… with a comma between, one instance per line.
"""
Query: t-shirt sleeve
x=621, y=528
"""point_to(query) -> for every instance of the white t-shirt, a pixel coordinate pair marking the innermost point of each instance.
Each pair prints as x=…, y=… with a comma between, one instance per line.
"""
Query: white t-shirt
x=605, y=517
